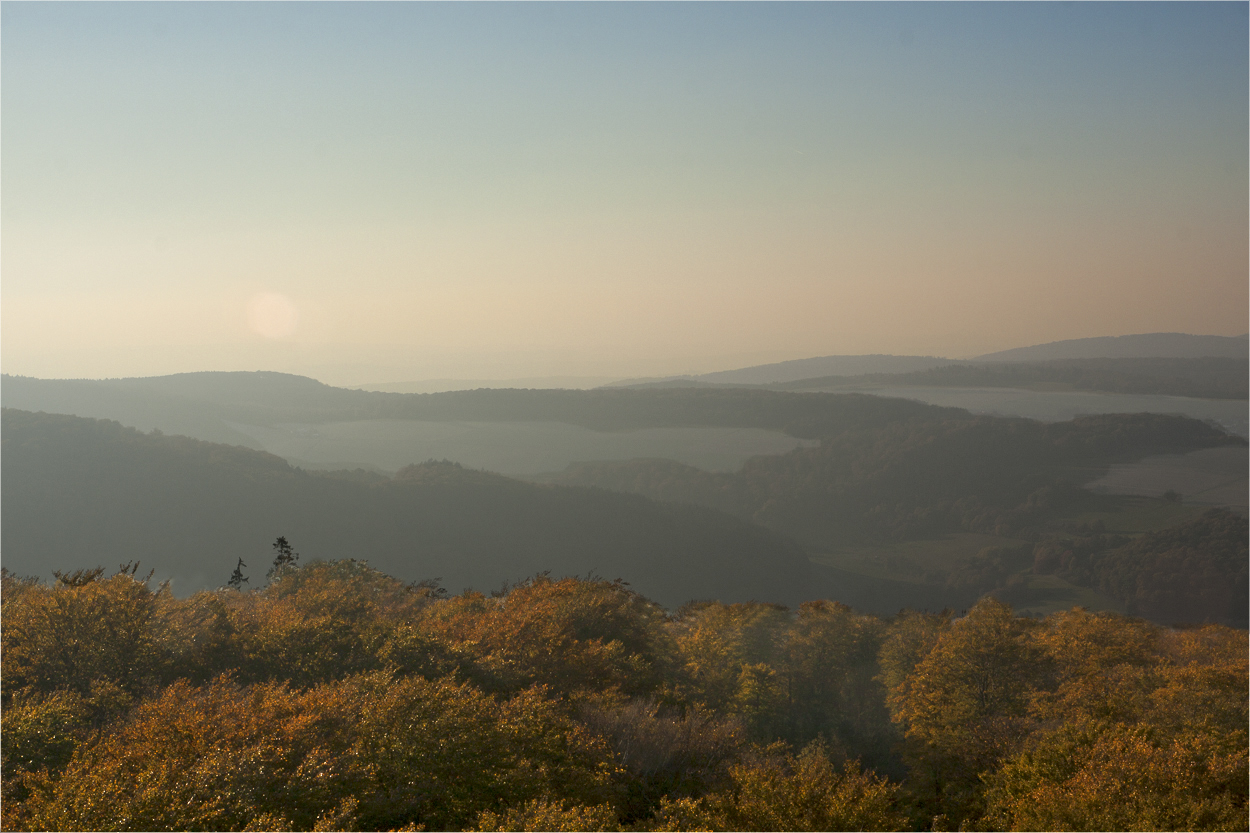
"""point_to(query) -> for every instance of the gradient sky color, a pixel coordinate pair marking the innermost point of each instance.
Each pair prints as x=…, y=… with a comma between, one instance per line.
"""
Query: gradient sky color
x=367, y=192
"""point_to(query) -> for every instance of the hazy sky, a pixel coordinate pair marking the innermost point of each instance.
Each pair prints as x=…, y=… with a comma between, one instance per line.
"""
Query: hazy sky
x=371, y=192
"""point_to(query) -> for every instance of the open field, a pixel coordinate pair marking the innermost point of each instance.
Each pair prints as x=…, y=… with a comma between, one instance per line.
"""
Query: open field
x=1210, y=477
x=513, y=448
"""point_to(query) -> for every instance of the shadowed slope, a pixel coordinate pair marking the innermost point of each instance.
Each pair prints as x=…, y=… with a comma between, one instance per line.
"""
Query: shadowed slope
x=80, y=492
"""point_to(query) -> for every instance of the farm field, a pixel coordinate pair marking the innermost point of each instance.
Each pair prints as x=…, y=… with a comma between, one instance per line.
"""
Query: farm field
x=1210, y=477
x=512, y=448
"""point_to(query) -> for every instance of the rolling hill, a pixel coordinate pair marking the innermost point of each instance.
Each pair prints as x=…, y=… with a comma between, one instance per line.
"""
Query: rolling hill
x=80, y=492
x=1206, y=378
x=788, y=371
x=1144, y=345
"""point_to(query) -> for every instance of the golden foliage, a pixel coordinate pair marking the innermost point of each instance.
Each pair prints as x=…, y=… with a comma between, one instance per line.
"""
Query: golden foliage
x=540, y=814
x=791, y=792
x=339, y=698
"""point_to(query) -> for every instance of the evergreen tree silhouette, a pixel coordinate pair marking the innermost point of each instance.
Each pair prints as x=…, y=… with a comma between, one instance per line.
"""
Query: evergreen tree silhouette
x=237, y=578
x=284, y=556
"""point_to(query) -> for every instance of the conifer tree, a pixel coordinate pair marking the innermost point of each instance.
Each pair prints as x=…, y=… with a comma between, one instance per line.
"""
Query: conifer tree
x=237, y=578
x=284, y=556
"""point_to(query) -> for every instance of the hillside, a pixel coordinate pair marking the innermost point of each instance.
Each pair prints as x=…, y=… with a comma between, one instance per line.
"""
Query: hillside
x=1145, y=345
x=912, y=479
x=787, y=371
x=1190, y=573
x=934, y=514
x=1208, y=378
x=196, y=403
x=80, y=492
x=1149, y=345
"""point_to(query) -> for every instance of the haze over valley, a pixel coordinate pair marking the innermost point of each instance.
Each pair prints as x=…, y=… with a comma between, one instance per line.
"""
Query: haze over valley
x=733, y=447
x=625, y=416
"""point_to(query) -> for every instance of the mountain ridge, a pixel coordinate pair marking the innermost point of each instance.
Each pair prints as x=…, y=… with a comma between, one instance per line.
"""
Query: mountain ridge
x=1140, y=345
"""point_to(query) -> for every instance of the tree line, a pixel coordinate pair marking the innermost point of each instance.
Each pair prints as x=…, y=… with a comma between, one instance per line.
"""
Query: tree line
x=337, y=697
x=1196, y=571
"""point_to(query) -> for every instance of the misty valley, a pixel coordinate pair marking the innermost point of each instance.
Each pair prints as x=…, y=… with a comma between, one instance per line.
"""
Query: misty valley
x=666, y=606
x=669, y=416
x=512, y=448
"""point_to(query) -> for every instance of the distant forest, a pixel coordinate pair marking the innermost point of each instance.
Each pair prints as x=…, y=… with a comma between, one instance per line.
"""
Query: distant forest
x=911, y=477
x=636, y=645
x=201, y=401
x=1205, y=378
x=1193, y=572
x=338, y=698
x=79, y=491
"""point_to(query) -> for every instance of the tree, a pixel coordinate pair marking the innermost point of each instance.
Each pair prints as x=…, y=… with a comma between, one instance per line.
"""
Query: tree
x=964, y=706
x=540, y=814
x=284, y=557
x=237, y=578
x=215, y=757
x=795, y=792
x=78, y=632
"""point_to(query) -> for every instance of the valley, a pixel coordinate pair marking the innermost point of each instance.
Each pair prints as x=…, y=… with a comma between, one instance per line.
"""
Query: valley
x=887, y=502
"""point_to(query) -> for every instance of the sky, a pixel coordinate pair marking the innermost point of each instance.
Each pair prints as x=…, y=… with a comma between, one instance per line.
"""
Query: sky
x=374, y=192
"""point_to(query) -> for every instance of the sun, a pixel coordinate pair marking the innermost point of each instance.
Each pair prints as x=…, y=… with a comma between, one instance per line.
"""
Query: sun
x=272, y=315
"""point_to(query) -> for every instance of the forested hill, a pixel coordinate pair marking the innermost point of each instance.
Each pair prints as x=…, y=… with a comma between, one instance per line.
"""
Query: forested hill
x=1172, y=345
x=200, y=405
x=80, y=492
x=1207, y=378
x=907, y=480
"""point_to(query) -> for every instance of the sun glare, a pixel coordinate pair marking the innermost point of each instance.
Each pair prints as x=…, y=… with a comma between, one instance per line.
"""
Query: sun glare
x=272, y=315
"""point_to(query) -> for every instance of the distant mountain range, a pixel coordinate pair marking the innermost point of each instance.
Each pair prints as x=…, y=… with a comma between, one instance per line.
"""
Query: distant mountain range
x=314, y=425
x=796, y=369
x=1204, y=378
x=204, y=405
x=1146, y=345
x=443, y=385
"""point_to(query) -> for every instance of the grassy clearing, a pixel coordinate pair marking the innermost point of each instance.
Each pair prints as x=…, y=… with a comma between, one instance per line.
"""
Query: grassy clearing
x=1212, y=476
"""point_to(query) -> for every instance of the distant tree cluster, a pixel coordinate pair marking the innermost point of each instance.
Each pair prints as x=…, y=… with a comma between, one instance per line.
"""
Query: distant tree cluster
x=1195, y=572
x=339, y=698
x=912, y=478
